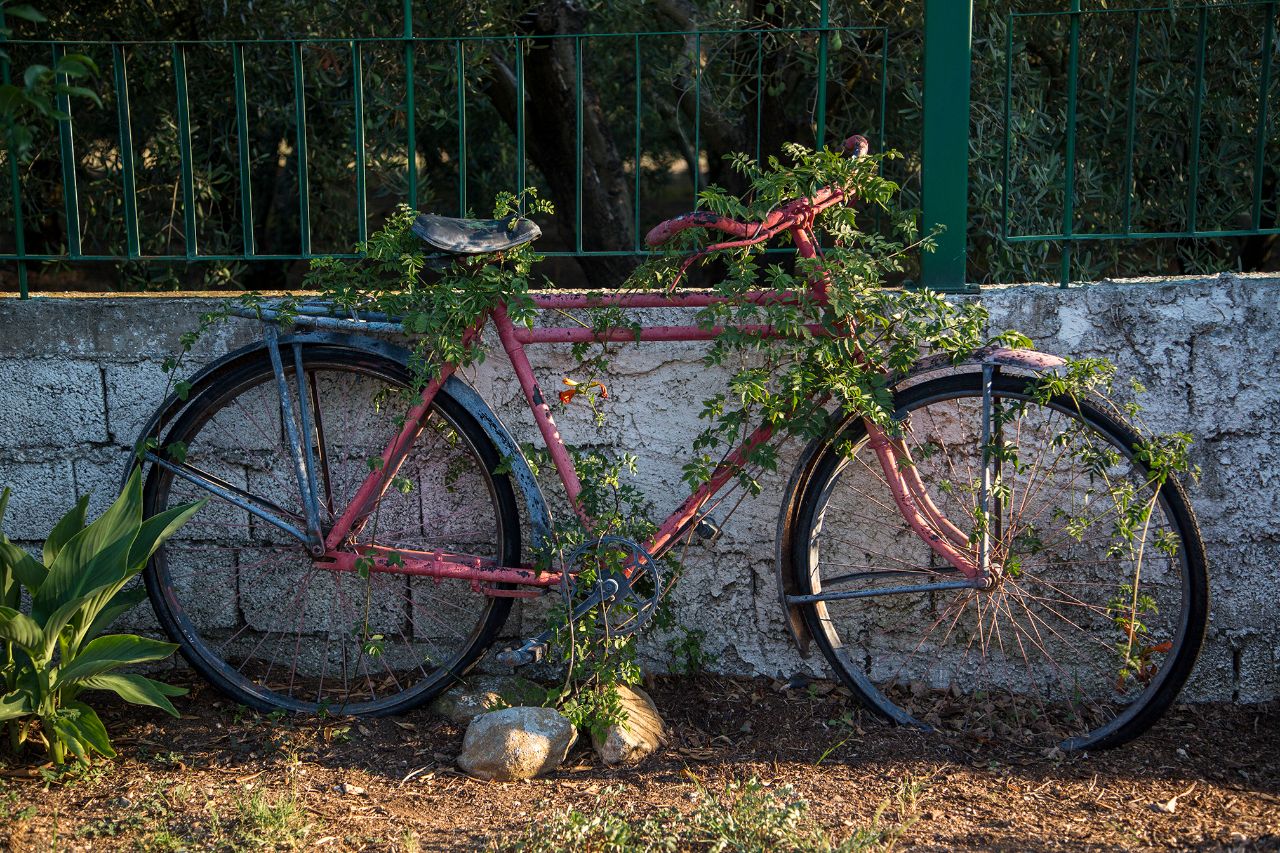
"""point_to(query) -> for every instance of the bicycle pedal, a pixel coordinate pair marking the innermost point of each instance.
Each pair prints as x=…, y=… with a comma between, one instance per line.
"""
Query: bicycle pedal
x=707, y=530
x=531, y=651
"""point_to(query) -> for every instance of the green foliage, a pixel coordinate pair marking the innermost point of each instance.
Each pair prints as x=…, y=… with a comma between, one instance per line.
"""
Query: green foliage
x=34, y=99
x=58, y=651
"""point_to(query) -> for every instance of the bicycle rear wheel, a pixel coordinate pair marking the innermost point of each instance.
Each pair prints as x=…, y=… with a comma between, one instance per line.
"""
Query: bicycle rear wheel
x=250, y=608
x=1090, y=630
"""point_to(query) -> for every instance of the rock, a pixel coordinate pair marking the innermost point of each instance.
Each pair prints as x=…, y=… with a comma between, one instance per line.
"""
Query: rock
x=476, y=695
x=516, y=743
x=636, y=739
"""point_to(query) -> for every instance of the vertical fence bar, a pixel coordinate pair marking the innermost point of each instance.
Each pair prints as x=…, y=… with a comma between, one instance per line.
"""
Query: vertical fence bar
x=824, y=21
x=66, y=139
x=520, y=128
x=635, y=169
x=357, y=107
x=19, y=232
x=577, y=147
x=1131, y=122
x=184, y=151
x=300, y=132
x=461, y=71
x=1008, y=125
x=884, y=88
x=410, y=101
x=242, y=150
x=759, y=88
x=128, y=179
x=1197, y=105
x=697, y=113
x=1069, y=158
x=948, y=26
x=1264, y=90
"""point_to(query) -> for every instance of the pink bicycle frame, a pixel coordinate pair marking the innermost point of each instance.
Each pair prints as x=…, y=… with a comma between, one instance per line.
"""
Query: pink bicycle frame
x=908, y=491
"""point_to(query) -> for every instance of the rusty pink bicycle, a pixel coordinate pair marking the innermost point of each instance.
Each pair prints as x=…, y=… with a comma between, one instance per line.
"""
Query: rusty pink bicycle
x=958, y=571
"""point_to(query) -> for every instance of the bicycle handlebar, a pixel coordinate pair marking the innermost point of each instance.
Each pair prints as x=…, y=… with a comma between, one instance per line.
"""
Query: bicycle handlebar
x=756, y=232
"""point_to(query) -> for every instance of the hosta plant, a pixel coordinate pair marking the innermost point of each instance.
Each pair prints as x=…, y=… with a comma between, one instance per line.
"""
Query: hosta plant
x=57, y=652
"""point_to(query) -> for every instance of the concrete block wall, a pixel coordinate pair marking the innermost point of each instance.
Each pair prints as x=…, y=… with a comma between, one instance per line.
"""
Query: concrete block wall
x=80, y=375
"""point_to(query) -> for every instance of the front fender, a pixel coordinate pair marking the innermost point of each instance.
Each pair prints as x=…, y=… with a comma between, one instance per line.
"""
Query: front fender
x=785, y=568
x=535, y=505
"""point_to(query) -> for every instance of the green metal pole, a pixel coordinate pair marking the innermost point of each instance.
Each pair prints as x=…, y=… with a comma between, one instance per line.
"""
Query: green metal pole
x=1069, y=155
x=411, y=131
x=820, y=133
x=948, y=26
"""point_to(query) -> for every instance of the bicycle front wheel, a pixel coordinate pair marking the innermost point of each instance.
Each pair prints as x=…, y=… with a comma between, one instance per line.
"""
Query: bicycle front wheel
x=255, y=613
x=1095, y=618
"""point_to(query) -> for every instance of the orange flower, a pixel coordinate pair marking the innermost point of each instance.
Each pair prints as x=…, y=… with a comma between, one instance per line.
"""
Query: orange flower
x=566, y=397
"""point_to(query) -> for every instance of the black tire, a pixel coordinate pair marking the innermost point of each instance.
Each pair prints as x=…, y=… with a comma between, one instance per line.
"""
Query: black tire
x=1065, y=650
x=243, y=599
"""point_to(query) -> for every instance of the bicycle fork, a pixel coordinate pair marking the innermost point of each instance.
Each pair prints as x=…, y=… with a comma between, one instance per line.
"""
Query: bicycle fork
x=972, y=556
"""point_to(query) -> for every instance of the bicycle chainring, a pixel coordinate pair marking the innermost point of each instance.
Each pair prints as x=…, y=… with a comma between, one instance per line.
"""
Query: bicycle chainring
x=623, y=576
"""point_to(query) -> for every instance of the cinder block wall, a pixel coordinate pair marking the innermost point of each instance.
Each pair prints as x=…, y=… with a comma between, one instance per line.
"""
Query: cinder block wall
x=79, y=376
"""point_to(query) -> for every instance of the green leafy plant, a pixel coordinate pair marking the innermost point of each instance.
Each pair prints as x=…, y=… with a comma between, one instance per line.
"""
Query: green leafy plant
x=58, y=651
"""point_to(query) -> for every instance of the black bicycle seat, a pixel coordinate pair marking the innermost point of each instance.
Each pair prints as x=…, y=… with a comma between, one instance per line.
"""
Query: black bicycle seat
x=474, y=236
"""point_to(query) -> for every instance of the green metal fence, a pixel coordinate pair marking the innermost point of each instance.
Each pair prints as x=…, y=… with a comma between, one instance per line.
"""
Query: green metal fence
x=1039, y=203
x=1126, y=31
x=411, y=49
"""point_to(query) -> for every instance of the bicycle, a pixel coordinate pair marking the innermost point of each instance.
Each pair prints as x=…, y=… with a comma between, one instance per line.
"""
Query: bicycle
x=952, y=571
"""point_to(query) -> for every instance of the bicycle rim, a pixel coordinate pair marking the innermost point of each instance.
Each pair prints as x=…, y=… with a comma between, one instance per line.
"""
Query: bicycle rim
x=250, y=608
x=1092, y=627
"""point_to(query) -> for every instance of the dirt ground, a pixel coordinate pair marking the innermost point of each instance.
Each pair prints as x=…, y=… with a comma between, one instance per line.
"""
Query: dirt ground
x=1206, y=778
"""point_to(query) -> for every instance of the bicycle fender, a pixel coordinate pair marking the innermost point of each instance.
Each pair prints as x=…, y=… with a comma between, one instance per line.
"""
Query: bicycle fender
x=535, y=504
x=1026, y=360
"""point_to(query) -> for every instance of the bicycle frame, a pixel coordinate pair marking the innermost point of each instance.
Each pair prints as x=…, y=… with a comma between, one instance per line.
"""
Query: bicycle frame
x=970, y=559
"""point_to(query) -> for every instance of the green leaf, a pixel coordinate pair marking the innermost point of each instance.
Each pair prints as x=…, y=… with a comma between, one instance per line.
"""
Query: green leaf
x=121, y=603
x=26, y=12
x=67, y=732
x=136, y=689
x=97, y=555
x=109, y=652
x=70, y=524
x=15, y=705
x=90, y=728
x=159, y=528
x=21, y=565
x=21, y=630
x=34, y=74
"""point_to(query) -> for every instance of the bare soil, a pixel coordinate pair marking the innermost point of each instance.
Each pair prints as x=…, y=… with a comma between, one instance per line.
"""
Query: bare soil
x=1206, y=778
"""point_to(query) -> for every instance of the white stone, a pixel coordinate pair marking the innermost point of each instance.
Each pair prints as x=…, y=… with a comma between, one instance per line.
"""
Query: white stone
x=516, y=743
x=636, y=739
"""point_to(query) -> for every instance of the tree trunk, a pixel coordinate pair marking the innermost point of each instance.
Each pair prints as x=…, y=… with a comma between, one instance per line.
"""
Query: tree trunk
x=551, y=98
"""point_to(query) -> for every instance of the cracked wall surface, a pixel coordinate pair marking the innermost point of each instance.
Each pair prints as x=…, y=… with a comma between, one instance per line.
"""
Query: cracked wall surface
x=79, y=376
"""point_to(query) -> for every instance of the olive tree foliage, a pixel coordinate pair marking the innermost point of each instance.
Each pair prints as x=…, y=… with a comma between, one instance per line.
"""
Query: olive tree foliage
x=701, y=94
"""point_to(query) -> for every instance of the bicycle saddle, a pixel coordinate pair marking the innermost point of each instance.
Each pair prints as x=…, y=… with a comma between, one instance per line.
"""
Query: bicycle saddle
x=474, y=236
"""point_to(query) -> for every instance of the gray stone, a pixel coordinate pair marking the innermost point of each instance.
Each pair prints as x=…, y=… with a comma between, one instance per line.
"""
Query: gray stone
x=479, y=694
x=516, y=743
x=636, y=739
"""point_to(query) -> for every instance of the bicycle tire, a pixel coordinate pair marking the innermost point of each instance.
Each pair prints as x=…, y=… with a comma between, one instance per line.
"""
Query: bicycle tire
x=1054, y=654
x=284, y=634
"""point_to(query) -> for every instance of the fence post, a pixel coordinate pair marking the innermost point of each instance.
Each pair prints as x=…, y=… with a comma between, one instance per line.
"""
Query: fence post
x=948, y=26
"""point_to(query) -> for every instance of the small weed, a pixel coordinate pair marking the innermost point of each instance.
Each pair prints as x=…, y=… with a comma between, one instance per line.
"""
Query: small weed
x=273, y=822
x=688, y=654
x=749, y=817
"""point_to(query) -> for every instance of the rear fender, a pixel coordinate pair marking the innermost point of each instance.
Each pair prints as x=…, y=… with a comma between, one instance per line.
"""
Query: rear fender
x=785, y=566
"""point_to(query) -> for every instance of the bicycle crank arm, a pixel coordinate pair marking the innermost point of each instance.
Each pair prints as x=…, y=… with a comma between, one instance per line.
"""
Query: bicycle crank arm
x=534, y=649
